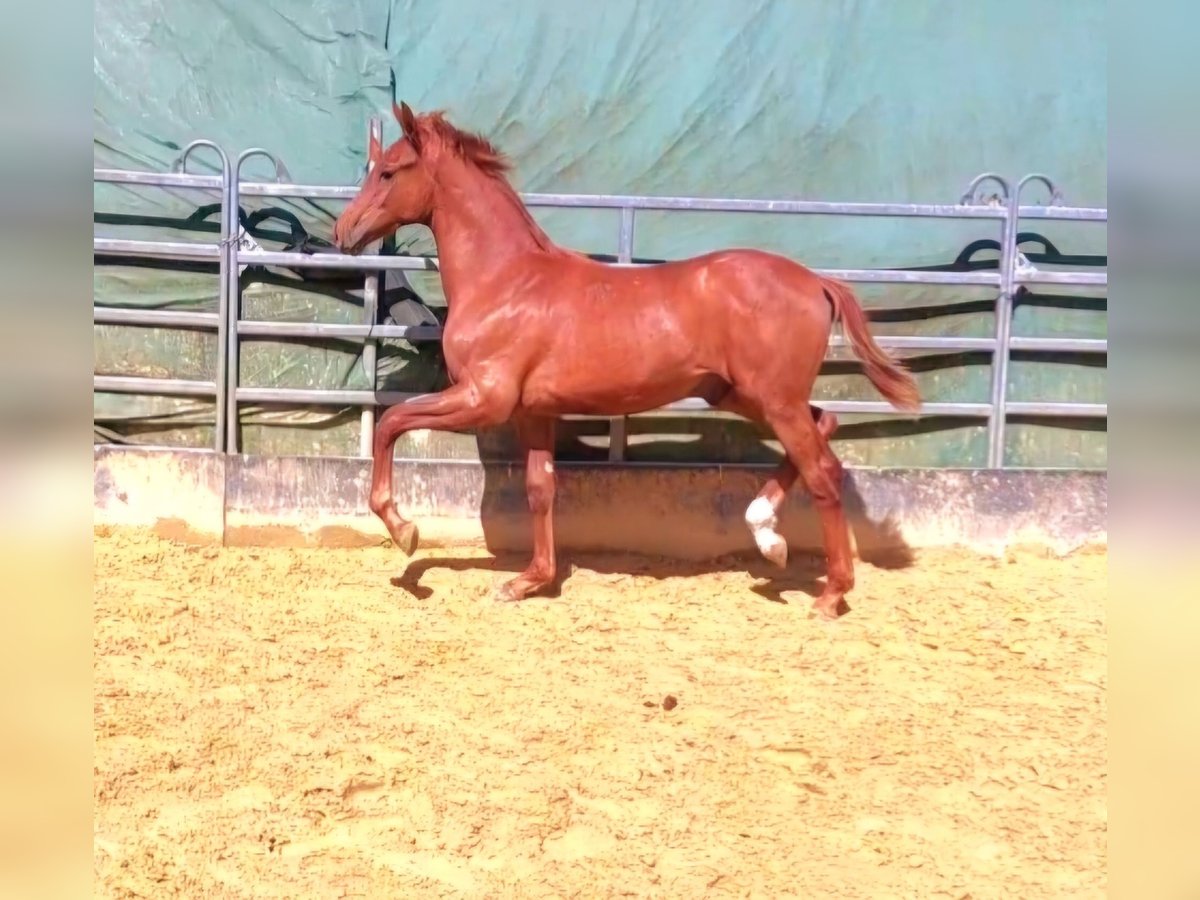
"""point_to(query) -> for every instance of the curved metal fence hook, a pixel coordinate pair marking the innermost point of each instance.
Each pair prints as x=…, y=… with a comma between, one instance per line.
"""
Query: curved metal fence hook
x=971, y=195
x=228, y=228
x=180, y=164
x=282, y=175
x=1056, y=196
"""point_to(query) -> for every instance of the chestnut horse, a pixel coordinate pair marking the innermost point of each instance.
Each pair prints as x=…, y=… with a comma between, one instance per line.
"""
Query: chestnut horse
x=535, y=331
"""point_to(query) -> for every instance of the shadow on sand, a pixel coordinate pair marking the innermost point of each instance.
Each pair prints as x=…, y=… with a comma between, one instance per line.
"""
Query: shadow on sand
x=657, y=522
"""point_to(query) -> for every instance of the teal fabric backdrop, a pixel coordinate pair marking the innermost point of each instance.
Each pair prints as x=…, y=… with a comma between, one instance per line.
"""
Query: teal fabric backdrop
x=835, y=99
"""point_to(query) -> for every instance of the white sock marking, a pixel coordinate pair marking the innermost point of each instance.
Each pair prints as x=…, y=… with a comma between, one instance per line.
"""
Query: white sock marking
x=760, y=514
x=761, y=518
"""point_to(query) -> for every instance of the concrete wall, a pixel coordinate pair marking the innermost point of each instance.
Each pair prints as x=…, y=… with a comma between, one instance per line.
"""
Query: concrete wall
x=685, y=512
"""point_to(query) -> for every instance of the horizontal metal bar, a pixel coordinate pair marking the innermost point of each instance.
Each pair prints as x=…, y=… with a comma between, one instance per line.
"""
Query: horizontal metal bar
x=692, y=404
x=627, y=201
x=434, y=332
x=416, y=333
x=900, y=276
x=974, y=410
x=156, y=179
x=718, y=204
x=1039, y=408
x=153, y=318
x=1081, y=279
x=373, y=262
x=180, y=387
x=366, y=262
x=1058, y=345
x=181, y=250
x=922, y=342
x=300, y=396
x=324, y=330
x=155, y=249
x=879, y=407
x=117, y=384
x=171, y=318
x=309, y=191
x=1065, y=213
x=870, y=407
x=695, y=204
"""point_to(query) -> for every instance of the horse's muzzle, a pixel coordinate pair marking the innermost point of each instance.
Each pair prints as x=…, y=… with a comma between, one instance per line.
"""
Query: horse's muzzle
x=341, y=235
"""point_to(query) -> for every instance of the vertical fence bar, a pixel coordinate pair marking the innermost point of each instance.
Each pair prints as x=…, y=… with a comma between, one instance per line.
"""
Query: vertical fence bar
x=235, y=288
x=618, y=428
x=233, y=311
x=370, y=353
x=997, y=420
x=224, y=264
x=222, y=287
x=1005, y=308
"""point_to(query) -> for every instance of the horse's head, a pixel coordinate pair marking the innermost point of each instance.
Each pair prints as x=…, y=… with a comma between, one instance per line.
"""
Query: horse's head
x=398, y=189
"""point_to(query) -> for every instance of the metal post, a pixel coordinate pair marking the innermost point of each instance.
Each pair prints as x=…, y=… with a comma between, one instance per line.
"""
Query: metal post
x=370, y=354
x=235, y=290
x=1005, y=306
x=1000, y=353
x=233, y=314
x=618, y=428
x=1008, y=240
x=223, y=286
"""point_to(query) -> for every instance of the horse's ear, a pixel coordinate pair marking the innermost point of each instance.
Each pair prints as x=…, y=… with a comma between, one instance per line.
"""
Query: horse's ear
x=374, y=151
x=408, y=123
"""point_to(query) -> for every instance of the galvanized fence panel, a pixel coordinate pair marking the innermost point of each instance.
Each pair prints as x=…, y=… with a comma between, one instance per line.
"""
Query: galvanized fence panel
x=1003, y=208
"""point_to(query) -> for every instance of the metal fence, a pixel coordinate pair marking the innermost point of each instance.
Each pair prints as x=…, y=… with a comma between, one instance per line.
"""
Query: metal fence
x=1002, y=207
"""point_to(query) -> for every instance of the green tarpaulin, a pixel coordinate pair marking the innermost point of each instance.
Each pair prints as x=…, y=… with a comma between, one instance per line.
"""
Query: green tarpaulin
x=872, y=101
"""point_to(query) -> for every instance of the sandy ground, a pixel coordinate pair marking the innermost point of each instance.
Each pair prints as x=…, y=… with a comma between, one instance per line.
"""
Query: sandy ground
x=306, y=723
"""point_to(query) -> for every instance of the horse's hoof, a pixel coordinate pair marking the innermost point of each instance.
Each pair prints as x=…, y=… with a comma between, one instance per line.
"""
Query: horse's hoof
x=773, y=548
x=830, y=609
x=507, y=593
x=407, y=538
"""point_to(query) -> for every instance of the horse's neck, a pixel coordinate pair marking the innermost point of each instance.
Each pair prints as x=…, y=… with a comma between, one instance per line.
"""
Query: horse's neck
x=481, y=226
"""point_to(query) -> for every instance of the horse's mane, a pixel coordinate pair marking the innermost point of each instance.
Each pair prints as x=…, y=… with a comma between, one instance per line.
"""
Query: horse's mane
x=489, y=160
x=467, y=145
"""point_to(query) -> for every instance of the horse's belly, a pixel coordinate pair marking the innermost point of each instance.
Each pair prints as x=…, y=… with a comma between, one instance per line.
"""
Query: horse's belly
x=603, y=394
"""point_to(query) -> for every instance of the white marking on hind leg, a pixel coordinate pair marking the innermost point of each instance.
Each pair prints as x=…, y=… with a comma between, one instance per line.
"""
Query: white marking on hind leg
x=761, y=517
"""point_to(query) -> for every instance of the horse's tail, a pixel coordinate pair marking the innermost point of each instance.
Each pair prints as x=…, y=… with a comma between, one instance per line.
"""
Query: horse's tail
x=889, y=377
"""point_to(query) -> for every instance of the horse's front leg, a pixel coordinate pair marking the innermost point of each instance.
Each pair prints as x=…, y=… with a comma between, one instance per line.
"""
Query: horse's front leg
x=459, y=407
x=537, y=437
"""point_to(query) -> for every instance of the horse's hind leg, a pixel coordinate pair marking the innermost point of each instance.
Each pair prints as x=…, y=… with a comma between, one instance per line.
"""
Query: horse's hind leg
x=808, y=448
x=762, y=515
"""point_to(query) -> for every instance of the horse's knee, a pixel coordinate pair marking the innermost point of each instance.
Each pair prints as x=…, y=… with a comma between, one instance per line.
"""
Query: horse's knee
x=824, y=482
